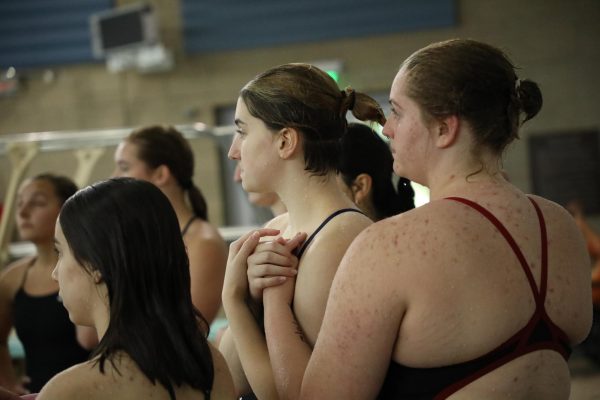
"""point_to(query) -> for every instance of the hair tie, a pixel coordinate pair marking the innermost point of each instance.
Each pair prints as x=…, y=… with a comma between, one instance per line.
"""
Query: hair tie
x=187, y=184
x=351, y=94
x=518, y=87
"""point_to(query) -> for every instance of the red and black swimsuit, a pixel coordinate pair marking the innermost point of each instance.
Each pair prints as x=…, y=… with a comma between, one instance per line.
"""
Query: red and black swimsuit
x=540, y=333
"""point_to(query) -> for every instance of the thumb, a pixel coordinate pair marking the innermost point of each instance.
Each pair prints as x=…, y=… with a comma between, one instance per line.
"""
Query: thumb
x=295, y=241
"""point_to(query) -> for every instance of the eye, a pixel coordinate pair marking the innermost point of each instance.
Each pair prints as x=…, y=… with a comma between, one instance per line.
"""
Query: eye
x=240, y=132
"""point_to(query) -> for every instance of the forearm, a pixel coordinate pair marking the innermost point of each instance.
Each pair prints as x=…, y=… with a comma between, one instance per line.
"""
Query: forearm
x=251, y=349
x=289, y=350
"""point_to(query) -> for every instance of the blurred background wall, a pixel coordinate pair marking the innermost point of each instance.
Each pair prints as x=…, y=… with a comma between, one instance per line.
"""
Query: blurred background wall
x=554, y=42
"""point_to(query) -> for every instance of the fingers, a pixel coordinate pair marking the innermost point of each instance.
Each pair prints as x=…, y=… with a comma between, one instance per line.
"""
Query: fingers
x=248, y=246
x=263, y=270
x=237, y=245
x=296, y=241
x=268, y=281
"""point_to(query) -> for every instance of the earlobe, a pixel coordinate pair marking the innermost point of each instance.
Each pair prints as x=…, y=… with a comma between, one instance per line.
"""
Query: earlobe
x=97, y=276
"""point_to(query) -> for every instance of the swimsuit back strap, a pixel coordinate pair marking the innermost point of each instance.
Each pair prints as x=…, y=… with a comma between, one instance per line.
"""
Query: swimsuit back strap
x=329, y=218
x=508, y=237
x=187, y=225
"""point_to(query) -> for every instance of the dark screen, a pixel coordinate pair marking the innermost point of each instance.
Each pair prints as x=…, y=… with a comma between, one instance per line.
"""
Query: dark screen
x=121, y=30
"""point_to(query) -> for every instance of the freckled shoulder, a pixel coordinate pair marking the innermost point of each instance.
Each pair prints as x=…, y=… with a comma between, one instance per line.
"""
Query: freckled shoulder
x=407, y=235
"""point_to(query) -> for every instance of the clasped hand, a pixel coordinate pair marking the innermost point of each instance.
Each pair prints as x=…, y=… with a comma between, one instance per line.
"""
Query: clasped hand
x=253, y=266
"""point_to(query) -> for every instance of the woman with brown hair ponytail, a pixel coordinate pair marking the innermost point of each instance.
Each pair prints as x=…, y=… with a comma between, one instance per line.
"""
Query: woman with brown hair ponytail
x=161, y=155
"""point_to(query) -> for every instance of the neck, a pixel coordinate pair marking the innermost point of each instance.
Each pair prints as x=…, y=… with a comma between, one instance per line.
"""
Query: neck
x=45, y=255
x=278, y=208
x=101, y=314
x=177, y=198
x=459, y=173
x=309, y=199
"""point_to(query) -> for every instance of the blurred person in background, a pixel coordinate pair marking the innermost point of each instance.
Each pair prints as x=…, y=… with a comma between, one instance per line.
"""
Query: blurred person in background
x=162, y=156
x=29, y=298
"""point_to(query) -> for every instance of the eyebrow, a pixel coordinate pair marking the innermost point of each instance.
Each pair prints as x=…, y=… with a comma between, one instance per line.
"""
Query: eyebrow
x=239, y=122
x=56, y=241
x=392, y=102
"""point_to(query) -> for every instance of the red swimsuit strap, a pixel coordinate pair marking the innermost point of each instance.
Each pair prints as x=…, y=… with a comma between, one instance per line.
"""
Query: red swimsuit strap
x=538, y=295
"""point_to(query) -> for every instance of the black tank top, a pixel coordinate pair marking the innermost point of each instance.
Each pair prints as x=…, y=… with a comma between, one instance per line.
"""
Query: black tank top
x=48, y=336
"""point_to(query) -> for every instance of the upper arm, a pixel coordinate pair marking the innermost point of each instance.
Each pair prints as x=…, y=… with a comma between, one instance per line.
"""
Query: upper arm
x=360, y=327
x=316, y=273
x=7, y=290
x=222, y=383
x=208, y=257
x=229, y=352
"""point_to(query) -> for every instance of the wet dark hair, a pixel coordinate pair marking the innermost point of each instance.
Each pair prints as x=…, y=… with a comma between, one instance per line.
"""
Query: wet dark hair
x=365, y=152
x=164, y=145
x=303, y=97
x=152, y=317
x=477, y=82
x=63, y=186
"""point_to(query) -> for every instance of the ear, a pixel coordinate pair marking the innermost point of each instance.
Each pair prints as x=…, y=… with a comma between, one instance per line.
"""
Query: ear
x=161, y=175
x=288, y=142
x=447, y=131
x=97, y=276
x=361, y=187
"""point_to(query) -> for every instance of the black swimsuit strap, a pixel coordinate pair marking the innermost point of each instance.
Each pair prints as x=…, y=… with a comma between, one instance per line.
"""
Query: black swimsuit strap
x=26, y=272
x=187, y=225
x=301, y=250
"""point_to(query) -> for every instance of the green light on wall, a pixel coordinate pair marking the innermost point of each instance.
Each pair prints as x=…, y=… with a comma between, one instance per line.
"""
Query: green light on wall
x=335, y=75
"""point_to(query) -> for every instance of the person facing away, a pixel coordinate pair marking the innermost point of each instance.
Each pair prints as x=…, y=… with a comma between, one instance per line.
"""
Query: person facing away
x=366, y=169
x=123, y=269
x=481, y=293
x=290, y=120
x=29, y=299
x=161, y=155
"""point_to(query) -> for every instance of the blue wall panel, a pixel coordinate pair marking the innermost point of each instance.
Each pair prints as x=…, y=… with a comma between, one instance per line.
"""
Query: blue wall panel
x=216, y=25
x=38, y=33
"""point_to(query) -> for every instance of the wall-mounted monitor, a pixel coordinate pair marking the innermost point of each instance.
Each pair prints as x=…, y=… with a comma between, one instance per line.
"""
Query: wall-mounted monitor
x=122, y=29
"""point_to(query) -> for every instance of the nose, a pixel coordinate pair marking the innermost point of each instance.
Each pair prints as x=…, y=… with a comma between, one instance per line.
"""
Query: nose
x=237, y=174
x=55, y=272
x=234, y=149
x=387, y=130
x=22, y=210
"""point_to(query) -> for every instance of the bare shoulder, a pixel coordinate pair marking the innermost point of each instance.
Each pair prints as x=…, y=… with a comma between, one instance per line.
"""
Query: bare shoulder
x=74, y=383
x=279, y=222
x=554, y=211
x=403, y=228
x=203, y=231
x=339, y=232
x=11, y=277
